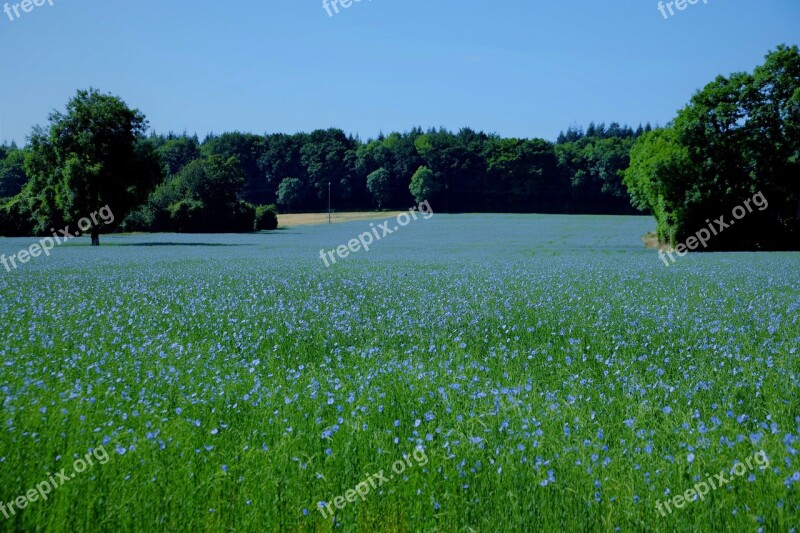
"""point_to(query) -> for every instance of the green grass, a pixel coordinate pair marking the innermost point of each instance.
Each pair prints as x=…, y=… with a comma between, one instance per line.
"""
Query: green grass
x=532, y=357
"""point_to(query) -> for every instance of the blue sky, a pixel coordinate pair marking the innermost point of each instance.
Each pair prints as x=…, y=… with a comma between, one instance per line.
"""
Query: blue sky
x=526, y=68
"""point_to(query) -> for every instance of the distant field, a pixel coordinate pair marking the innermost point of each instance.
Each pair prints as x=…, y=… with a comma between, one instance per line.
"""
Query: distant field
x=550, y=372
x=306, y=219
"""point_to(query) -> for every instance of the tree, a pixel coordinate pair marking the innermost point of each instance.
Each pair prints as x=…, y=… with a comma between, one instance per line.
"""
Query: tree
x=404, y=161
x=329, y=156
x=248, y=150
x=12, y=172
x=216, y=182
x=379, y=185
x=772, y=103
x=210, y=196
x=523, y=175
x=372, y=156
x=177, y=152
x=458, y=165
x=594, y=164
x=202, y=198
x=15, y=218
x=93, y=155
x=291, y=193
x=423, y=184
x=659, y=174
x=737, y=137
x=281, y=158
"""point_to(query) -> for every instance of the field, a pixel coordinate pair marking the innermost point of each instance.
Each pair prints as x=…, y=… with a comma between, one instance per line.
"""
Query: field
x=539, y=373
x=288, y=220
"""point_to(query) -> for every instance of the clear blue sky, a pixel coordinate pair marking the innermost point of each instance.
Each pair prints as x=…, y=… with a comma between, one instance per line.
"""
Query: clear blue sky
x=526, y=68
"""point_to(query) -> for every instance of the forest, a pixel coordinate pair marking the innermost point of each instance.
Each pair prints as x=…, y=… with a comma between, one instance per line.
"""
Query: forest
x=738, y=135
x=466, y=171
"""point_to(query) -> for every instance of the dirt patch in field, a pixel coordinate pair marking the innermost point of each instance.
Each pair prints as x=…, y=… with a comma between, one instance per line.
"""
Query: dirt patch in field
x=312, y=219
x=650, y=240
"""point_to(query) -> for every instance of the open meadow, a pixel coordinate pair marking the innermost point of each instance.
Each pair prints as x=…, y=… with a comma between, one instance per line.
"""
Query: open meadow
x=467, y=373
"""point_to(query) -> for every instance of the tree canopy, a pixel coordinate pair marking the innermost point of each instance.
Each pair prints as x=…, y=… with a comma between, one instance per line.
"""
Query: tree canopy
x=92, y=155
x=738, y=136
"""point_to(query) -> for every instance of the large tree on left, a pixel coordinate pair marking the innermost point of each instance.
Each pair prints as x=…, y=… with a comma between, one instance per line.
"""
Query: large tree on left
x=93, y=155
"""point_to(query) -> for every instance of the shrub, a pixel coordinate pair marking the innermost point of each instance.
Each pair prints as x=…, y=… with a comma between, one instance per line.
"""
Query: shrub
x=140, y=219
x=186, y=216
x=242, y=219
x=15, y=219
x=266, y=217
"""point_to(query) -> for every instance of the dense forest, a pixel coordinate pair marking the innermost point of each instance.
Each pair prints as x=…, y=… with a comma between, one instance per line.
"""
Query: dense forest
x=469, y=172
x=739, y=135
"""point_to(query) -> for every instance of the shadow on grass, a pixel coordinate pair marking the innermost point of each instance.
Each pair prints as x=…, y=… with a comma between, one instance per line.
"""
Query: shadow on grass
x=172, y=244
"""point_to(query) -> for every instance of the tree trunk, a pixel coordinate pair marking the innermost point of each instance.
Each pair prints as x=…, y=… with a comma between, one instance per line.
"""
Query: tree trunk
x=95, y=236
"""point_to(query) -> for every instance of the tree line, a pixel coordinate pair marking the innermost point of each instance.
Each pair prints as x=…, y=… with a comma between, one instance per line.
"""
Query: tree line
x=233, y=181
x=737, y=135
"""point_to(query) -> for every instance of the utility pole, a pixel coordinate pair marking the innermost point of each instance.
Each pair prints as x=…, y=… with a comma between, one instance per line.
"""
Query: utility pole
x=329, y=202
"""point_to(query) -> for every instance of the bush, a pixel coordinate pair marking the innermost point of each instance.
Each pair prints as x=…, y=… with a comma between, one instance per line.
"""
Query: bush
x=15, y=219
x=242, y=219
x=187, y=216
x=266, y=217
x=140, y=219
